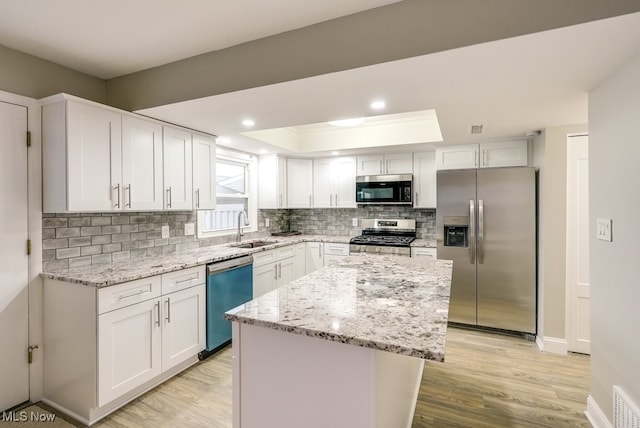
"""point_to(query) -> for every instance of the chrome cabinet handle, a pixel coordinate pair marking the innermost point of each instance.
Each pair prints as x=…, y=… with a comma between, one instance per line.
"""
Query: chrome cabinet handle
x=336, y=200
x=319, y=250
x=137, y=293
x=198, y=198
x=480, y=231
x=476, y=158
x=168, y=318
x=472, y=231
x=280, y=204
x=182, y=281
x=169, y=197
x=484, y=157
x=117, y=187
x=157, y=322
x=381, y=169
x=128, y=188
x=416, y=198
x=275, y=271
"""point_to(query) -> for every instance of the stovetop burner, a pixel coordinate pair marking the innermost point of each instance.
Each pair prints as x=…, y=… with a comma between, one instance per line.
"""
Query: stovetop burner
x=385, y=240
x=386, y=232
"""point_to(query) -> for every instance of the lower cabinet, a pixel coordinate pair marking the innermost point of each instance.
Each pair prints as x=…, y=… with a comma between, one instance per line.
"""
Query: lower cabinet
x=300, y=262
x=314, y=257
x=334, y=252
x=142, y=333
x=273, y=269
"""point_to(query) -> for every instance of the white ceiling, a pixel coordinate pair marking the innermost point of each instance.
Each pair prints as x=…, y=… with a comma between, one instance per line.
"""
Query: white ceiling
x=510, y=86
x=109, y=38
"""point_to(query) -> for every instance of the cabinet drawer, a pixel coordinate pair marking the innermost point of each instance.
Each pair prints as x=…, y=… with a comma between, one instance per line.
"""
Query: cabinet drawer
x=128, y=293
x=336, y=249
x=264, y=257
x=285, y=252
x=423, y=252
x=181, y=279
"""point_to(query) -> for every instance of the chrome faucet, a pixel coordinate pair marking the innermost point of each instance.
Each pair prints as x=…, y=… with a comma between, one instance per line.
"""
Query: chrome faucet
x=240, y=233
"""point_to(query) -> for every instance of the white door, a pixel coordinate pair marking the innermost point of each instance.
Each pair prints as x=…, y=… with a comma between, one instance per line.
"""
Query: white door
x=14, y=276
x=204, y=172
x=142, y=164
x=286, y=271
x=183, y=325
x=314, y=257
x=343, y=174
x=299, y=183
x=578, y=336
x=370, y=165
x=264, y=279
x=424, y=180
x=178, y=179
x=398, y=163
x=322, y=185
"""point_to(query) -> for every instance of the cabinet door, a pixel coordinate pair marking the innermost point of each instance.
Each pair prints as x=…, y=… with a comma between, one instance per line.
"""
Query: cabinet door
x=272, y=184
x=503, y=153
x=129, y=349
x=398, y=163
x=344, y=182
x=370, y=165
x=94, y=146
x=329, y=259
x=177, y=174
x=314, y=257
x=424, y=179
x=322, y=185
x=142, y=164
x=457, y=156
x=300, y=256
x=264, y=279
x=286, y=271
x=183, y=325
x=204, y=172
x=299, y=183
x=423, y=252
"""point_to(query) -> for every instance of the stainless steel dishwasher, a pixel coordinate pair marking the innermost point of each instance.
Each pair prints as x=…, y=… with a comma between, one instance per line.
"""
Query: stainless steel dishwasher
x=229, y=284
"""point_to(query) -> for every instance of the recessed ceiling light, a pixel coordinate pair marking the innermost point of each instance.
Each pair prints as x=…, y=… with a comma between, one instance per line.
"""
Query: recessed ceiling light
x=335, y=153
x=248, y=122
x=378, y=105
x=347, y=122
x=223, y=140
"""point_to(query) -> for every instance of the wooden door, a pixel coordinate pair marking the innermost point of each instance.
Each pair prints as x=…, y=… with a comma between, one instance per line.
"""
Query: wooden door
x=14, y=273
x=578, y=288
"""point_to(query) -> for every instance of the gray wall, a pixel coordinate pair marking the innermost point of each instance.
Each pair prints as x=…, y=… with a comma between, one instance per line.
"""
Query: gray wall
x=614, y=176
x=33, y=77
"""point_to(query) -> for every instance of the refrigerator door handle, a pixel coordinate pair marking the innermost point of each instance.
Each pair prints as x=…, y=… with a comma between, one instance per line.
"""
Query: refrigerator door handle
x=472, y=231
x=480, y=231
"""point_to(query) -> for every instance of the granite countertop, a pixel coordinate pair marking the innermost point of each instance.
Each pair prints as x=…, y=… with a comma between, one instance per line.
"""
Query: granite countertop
x=427, y=243
x=107, y=274
x=389, y=303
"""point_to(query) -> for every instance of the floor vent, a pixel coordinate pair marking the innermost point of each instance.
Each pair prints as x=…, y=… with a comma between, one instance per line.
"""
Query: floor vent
x=625, y=413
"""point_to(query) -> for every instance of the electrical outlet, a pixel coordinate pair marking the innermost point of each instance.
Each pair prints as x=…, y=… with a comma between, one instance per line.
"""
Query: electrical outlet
x=189, y=229
x=165, y=232
x=354, y=222
x=266, y=222
x=603, y=229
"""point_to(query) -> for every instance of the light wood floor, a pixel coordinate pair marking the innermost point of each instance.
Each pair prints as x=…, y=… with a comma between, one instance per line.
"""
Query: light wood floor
x=487, y=380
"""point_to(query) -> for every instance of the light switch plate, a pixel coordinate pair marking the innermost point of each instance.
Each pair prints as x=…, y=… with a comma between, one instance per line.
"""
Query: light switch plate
x=165, y=232
x=603, y=231
x=354, y=222
x=189, y=229
x=266, y=222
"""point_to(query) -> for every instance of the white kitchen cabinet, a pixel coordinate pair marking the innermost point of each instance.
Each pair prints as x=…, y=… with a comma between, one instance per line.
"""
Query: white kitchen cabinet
x=272, y=182
x=273, y=269
x=177, y=169
x=204, y=172
x=388, y=163
x=424, y=252
x=119, y=341
x=483, y=155
x=314, y=257
x=299, y=183
x=424, y=179
x=142, y=164
x=300, y=260
x=334, y=252
x=334, y=182
x=264, y=279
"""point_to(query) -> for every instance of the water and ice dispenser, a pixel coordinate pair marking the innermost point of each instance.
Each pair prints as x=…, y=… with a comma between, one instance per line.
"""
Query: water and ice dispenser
x=456, y=231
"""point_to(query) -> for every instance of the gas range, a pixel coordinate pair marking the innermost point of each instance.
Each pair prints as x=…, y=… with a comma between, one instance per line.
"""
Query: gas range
x=384, y=236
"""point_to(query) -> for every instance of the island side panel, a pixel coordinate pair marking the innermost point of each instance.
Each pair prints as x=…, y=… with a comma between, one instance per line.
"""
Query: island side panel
x=291, y=380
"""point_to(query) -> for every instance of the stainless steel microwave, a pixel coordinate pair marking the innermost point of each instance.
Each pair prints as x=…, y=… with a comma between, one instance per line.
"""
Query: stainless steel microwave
x=384, y=189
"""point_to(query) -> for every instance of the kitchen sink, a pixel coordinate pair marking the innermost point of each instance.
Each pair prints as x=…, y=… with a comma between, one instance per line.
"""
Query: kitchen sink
x=253, y=244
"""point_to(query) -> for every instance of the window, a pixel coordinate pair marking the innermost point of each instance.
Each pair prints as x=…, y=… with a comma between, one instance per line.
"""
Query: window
x=234, y=172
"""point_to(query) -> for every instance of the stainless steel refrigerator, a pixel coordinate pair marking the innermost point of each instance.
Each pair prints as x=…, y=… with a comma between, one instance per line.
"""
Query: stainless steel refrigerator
x=486, y=224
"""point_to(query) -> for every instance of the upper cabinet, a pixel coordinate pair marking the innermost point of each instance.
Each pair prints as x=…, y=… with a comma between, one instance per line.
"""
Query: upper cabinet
x=97, y=158
x=424, y=179
x=204, y=172
x=272, y=182
x=390, y=163
x=299, y=183
x=334, y=183
x=177, y=173
x=483, y=155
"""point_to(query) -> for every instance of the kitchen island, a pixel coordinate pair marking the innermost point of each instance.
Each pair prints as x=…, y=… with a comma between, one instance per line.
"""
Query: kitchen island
x=342, y=347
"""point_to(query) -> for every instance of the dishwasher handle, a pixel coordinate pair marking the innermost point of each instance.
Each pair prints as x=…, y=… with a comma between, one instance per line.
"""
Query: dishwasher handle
x=218, y=267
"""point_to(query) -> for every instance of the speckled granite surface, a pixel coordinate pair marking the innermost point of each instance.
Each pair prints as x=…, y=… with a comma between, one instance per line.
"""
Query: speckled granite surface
x=104, y=275
x=390, y=303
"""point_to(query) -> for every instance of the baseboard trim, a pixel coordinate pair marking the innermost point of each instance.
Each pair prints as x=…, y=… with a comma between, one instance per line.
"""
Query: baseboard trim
x=595, y=415
x=552, y=345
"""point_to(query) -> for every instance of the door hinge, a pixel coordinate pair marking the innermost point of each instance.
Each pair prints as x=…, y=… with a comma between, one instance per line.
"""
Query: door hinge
x=28, y=138
x=30, y=353
x=28, y=247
